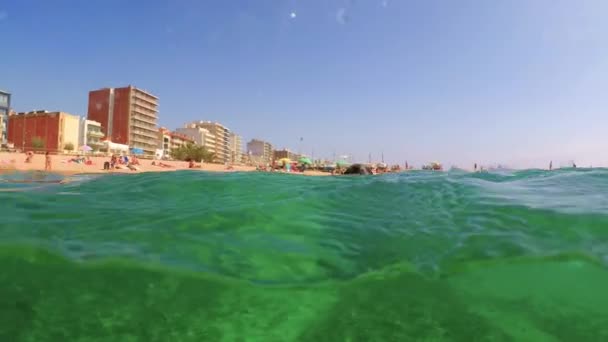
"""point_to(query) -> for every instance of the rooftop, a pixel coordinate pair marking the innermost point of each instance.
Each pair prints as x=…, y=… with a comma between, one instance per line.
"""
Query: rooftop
x=45, y=112
x=202, y=122
x=132, y=87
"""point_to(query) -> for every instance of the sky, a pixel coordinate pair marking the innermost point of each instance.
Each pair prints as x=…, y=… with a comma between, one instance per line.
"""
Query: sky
x=512, y=82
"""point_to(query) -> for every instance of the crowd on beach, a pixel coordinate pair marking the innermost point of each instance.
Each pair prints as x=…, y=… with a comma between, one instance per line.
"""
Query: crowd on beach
x=91, y=163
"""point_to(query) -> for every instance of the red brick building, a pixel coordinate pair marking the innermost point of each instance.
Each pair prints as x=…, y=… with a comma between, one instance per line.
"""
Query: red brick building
x=43, y=131
x=127, y=115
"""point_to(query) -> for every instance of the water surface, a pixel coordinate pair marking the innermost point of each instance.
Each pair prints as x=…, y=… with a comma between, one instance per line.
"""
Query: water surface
x=193, y=256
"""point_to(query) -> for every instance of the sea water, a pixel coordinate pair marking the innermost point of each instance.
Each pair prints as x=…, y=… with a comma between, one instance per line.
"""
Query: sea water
x=416, y=256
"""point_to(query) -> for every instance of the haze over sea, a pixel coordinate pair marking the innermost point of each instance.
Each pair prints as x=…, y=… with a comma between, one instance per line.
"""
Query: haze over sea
x=195, y=256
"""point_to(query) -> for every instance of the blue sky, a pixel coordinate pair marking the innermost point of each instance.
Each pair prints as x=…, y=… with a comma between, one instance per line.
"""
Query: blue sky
x=517, y=82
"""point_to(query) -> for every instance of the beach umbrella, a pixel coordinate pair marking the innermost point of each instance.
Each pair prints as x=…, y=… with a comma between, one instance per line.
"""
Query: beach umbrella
x=305, y=160
x=137, y=150
x=285, y=161
x=86, y=148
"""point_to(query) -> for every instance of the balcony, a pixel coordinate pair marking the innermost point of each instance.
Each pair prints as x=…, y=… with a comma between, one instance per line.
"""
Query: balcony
x=142, y=105
x=144, y=111
x=95, y=134
x=144, y=126
x=143, y=96
x=144, y=133
x=144, y=144
x=146, y=119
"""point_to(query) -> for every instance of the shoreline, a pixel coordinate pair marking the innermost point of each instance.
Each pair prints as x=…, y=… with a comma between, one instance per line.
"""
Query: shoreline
x=61, y=164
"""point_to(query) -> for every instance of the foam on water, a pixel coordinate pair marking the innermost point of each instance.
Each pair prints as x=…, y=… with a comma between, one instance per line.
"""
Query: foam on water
x=418, y=255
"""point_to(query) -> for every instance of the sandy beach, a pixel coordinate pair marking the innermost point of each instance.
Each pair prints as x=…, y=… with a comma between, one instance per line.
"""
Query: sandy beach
x=62, y=164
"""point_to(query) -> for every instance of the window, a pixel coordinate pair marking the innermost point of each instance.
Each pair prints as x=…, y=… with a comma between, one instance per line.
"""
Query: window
x=3, y=100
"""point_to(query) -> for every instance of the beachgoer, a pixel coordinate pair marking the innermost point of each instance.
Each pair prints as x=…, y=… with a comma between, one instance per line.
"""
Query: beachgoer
x=191, y=164
x=551, y=165
x=475, y=167
x=29, y=157
x=47, y=161
x=161, y=164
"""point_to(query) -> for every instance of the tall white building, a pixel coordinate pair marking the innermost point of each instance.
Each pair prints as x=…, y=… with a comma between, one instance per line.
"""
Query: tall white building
x=236, y=148
x=221, y=135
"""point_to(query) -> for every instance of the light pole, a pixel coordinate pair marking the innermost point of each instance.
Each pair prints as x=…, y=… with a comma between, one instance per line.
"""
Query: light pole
x=300, y=146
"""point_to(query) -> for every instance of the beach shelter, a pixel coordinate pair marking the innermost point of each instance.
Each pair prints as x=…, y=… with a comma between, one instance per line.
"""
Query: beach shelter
x=86, y=148
x=114, y=147
x=137, y=150
x=341, y=163
x=305, y=161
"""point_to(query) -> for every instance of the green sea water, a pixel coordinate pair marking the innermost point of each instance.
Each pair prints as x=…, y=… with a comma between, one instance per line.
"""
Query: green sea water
x=193, y=256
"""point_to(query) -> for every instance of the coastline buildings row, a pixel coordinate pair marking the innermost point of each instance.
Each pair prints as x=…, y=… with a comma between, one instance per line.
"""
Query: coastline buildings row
x=124, y=118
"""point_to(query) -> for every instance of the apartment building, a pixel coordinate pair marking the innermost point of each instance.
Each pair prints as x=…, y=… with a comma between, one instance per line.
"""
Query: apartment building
x=168, y=140
x=90, y=134
x=127, y=115
x=222, y=139
x=43, y=131
x=199, y=135
x=236, y=148
x=5, y=107
x=259, y=151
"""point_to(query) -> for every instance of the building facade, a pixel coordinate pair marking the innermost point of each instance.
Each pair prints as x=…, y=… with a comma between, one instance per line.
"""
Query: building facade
x=127, y=116
x=5, y=107
x=171, y=140
x=199, y=135
x=259, y=151
x=90, y=134
x=236, y=148
x=285, y=153
x=222, y=139
x=43, y=131
x=164, y=142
